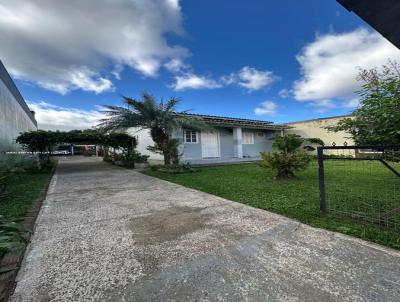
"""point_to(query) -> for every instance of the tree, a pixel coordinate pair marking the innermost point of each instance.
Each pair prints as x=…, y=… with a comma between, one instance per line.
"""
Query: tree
x=125, y=143
x=159, y=117
x=289, y=155
x=43, y=142
x=377, y=120
x=40, y=141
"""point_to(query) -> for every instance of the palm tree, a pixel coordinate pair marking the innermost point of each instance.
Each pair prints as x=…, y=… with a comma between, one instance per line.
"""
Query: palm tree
x=160, y=117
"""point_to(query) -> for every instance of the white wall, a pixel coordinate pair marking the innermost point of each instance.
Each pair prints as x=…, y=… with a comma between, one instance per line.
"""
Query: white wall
x=144, y=140
x=13, y=120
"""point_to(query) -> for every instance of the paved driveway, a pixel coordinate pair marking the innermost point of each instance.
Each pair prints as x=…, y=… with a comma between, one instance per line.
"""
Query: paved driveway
x=110, y=234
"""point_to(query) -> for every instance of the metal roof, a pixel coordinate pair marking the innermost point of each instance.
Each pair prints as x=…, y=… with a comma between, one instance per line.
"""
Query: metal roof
x=319, y=119
x=235, y=122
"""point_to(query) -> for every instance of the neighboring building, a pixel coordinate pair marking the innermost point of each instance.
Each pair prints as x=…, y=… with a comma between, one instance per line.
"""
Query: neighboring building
x=234, y=140
x=316, y=128
x=383, y=15
x=15, y=116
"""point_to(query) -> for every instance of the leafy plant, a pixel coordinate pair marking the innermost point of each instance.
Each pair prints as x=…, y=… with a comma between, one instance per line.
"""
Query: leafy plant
x=377, y=120
x=288, y=156
x=13, y=235
x=169, y=150
x=18, y=162
x=39, y=141
x=137, y=157
x=159, y=117
x=175, y=169
x=6, y=176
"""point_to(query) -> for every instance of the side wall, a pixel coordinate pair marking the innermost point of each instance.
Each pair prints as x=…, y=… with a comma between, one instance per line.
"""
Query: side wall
x=144, y=140
x=316, y=128
x=13, y=120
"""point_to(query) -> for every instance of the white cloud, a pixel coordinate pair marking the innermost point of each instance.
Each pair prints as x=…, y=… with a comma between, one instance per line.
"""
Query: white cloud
x=51, y=117
x=352, y=103
x=285, y=93
x=192, y=81
x=67, y=45
x=322, y=106
x=176, y=65
x=250, y=78
x=330, y=64
x=266, y=108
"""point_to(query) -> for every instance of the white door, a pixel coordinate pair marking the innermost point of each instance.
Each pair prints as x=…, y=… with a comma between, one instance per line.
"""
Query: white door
x=210, y=144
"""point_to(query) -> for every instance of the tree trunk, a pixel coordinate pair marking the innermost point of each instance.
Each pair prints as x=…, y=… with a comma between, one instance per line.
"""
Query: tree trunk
x=167, y=159
x=161, y=139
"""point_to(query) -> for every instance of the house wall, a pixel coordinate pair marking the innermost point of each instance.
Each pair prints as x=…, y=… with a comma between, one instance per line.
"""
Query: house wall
x=15, y=116
x=191, y=151
x=316, y=129
x=144, y=140
x=261, y=143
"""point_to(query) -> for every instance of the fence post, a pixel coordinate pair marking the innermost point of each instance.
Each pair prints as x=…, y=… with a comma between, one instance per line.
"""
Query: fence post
x=321, y=174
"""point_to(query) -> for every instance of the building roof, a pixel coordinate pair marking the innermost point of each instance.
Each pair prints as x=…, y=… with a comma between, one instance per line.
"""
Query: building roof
x=7, y=80
x=383, y=15
x=224, y=121
x=319, y=119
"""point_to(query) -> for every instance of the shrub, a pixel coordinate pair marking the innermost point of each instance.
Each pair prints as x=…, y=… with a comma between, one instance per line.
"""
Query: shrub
x=6, y=177
x=13, y=235
x=286, y=165
x=175, y=169
x=288, y=156
x=137, y=157
x=18, y=162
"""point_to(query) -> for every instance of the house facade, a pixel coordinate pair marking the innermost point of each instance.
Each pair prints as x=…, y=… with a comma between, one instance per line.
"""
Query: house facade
x=15, y=116
x=240, y=140
x=230, y=140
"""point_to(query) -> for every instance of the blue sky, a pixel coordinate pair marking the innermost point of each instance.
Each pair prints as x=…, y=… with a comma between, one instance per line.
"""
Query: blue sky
x=276, y=60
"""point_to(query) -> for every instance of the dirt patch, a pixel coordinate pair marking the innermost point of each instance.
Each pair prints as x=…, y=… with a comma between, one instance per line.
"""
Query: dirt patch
x=167, y=225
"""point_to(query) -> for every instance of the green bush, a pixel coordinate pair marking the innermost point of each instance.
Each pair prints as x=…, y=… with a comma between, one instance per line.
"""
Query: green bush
x=286, y=165
x=18, y=162
x=175, y=169
x=6, y=177
x=13, y=235
x=288, y=156
x=137, y=157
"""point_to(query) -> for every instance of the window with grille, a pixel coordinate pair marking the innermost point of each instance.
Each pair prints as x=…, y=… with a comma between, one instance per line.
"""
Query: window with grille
x=190, y=137
x=248, y=138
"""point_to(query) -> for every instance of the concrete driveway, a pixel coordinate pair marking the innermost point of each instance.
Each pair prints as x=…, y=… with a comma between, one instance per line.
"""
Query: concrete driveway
x=109, y=234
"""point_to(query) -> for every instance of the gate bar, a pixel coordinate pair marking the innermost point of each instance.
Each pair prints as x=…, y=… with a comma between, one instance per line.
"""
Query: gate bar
x=321, y=176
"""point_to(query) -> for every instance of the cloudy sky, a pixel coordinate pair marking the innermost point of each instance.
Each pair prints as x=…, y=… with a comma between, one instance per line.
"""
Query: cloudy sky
x=277, y=60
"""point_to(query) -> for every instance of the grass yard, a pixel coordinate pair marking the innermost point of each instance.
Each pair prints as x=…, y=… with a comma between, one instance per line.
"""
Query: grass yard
x=366, y=188
x=23, y=190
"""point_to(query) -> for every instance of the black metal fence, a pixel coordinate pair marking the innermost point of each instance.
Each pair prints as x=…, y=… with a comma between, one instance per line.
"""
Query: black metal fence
x=361, y=183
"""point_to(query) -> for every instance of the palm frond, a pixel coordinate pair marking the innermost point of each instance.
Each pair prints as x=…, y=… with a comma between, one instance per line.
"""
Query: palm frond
x=147, y=113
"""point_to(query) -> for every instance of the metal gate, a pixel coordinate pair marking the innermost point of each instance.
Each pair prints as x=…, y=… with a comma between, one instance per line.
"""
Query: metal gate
x=361, y=183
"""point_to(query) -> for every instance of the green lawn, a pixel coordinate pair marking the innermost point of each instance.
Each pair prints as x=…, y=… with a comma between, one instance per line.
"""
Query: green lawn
x=22, y=192
x=364, y=187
